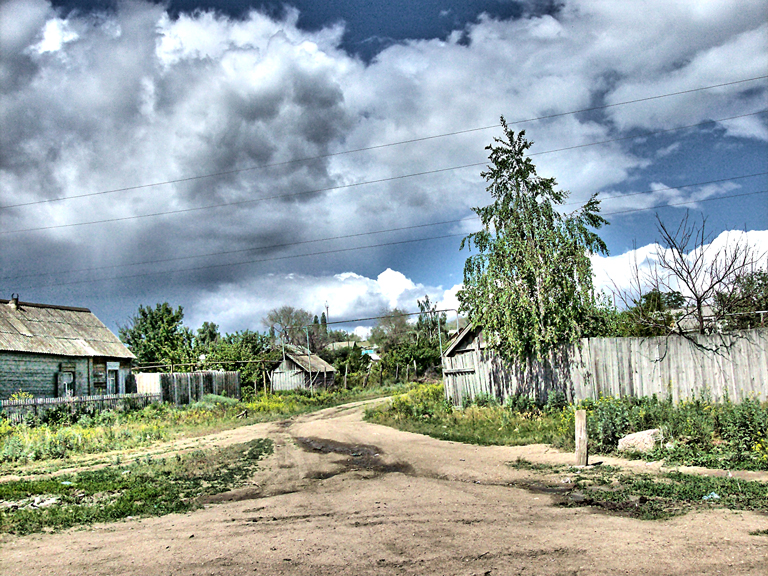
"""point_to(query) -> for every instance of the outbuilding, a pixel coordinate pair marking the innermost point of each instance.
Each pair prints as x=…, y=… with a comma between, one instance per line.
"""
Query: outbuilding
x=471, y=368
x=59, y=351
x=301, y=370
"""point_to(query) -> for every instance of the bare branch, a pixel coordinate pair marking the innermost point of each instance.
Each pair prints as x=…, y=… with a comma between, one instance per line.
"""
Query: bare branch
x=708, y=279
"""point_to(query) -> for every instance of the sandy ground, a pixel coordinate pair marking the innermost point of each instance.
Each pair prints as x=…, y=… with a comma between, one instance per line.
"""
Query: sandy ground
x=343, y=497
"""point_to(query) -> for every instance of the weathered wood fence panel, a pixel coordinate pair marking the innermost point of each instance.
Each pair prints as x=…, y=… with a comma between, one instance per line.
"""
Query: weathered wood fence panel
x=183, y=388
x=720, y=366
x=17, y=410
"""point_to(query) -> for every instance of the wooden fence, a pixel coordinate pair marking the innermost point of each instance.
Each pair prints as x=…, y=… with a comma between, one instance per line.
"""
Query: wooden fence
x=188, y=387
x=717, y=366
x=17, y=410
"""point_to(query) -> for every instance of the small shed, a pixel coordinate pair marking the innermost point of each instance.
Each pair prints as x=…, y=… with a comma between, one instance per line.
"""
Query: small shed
x=58, y=351
x=471, y=367
x=462, y=364
x=302, y=370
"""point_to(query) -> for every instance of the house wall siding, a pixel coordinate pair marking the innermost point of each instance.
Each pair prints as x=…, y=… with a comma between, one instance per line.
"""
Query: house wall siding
x=289, y=376
x=37, y=374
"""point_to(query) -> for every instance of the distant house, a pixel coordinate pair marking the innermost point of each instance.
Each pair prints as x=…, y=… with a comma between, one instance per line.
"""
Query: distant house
x=302, y=370
x=366, y=348
x=57, y=351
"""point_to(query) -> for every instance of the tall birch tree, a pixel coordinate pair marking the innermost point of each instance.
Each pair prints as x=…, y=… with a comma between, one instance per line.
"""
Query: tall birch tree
x=529, y=287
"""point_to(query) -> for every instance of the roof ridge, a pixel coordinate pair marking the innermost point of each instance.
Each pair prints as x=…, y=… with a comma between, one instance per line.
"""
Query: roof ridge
x=53, y=306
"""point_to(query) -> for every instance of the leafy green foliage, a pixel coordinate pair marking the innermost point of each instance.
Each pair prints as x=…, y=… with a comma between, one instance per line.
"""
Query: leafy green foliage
x=93, y=433
x=157, y=336
x=350, y=360
x=390, y=330
x=749, y=295
x=248, y=352
x=654, y=314
x=425, y=410
x=530, y=286
x=207, y=336
x=698, y=432
x=288, y=325
x=404, y=347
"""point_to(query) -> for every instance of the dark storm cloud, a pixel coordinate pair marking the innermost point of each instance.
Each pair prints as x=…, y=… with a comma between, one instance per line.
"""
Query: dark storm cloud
x=96, y=100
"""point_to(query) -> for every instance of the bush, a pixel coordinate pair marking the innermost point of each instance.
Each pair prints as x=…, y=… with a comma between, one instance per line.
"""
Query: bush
x=556, y=401
x=426, y=400
x=521, y=403
x=213, y=401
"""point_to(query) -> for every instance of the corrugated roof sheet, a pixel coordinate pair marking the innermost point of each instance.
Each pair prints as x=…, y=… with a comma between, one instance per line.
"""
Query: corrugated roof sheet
x=60, y=330
x=299, y=355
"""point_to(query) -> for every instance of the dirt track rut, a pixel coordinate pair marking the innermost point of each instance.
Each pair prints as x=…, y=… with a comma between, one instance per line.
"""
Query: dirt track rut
x=340, y=496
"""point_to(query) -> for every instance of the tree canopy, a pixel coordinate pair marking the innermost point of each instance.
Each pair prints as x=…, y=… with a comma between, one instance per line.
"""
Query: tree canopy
x=391, y=329
x=530, y=284
x=288, y=324
x=716, y=285
x=157, y=335
x=745, y=301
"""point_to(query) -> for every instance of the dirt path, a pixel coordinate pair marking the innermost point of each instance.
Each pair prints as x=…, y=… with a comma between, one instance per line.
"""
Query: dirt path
x=344, y=497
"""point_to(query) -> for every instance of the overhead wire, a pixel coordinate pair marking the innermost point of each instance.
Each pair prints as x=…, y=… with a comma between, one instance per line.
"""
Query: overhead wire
x=380, y=146
x=355, y=184
x=341, y=250
x=355, y=235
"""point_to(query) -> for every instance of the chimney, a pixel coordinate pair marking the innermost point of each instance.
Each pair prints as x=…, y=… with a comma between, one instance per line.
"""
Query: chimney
x=14, y=302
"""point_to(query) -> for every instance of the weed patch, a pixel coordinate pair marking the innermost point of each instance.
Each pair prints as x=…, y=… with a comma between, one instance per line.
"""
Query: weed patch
x=648, y=496
x=145, y=487
x=424, y=410
x=71, y=433
x=722, y=435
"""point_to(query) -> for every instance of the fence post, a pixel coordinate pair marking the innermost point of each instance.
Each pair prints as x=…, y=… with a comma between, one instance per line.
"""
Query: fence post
x=581, y=438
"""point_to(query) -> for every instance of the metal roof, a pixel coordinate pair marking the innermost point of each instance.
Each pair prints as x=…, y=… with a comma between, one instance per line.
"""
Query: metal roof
x=306, y=361
x=57, y=330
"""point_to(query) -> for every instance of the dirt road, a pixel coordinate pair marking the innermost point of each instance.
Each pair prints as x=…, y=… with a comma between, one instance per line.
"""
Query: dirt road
x=344, y=497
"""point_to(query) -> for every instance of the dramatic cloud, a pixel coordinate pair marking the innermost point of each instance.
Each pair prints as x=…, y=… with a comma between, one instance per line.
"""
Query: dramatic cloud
x=349, y=296
x=249, y=122
x=617, y=273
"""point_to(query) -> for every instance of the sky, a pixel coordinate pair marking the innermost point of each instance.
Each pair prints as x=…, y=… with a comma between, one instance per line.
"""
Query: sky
x=233, y=157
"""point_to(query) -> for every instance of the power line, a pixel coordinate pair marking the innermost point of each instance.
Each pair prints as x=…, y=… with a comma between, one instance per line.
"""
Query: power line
x=348, y=236
x=628, y=194
x=340, y=250
x=227, y=252
x=378, y=146
x=684, y=203
x=271, y=259
x=398, y=315
x=377, y=181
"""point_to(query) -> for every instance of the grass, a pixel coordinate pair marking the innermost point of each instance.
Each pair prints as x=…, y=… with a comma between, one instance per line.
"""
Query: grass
x=483, y=426
x=722, y=435
x=649, y=496
x=144, y=487
x=64, y=434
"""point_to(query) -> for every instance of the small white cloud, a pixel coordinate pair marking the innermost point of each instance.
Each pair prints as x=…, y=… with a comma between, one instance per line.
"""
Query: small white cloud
x=56, y=33
x=363, y=332
x=393, y=284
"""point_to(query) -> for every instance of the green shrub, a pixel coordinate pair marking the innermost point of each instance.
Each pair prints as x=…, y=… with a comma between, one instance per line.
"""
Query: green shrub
x=425, y=400
x=556, y=401
x=521, y=403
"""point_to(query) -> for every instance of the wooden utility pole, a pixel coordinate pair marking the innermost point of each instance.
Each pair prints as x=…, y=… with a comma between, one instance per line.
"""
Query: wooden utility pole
x=581, y=438
x=264, y=377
